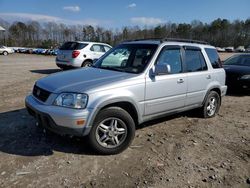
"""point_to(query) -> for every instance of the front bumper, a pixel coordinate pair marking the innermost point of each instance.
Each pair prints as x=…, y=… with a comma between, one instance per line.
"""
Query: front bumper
x=59, y=120
x=223, y=90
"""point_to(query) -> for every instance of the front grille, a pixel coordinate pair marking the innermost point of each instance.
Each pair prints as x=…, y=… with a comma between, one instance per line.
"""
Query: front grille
x=40, y=93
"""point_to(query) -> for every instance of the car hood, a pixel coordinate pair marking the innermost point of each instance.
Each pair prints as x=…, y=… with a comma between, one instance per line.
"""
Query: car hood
x=237, y=69
x=81, y=80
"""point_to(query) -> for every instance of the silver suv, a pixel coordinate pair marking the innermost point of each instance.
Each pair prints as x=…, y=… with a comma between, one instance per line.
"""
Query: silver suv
x=134, y=82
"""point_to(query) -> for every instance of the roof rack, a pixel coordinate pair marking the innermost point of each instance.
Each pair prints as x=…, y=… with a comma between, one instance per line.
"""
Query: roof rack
x=143, y=39
x=170, y=40
x=184, y=40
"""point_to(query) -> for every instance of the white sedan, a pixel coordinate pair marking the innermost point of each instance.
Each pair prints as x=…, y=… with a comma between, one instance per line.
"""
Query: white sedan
x=5, y=50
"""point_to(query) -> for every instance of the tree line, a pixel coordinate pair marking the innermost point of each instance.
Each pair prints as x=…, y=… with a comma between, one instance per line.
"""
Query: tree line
x=220, y=32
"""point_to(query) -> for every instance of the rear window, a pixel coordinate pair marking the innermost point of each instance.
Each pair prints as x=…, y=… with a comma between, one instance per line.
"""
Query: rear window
x=213, y=57
x=73, y=46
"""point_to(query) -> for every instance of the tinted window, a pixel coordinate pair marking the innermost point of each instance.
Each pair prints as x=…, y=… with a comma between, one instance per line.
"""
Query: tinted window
x=238, y=60
x=73, y=46
x=171, y=57
x=97, y=48
x=245, y=61
x=195, y=61
x=213, y=57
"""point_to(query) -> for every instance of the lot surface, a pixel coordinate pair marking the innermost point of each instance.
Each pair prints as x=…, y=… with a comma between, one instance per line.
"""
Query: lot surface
x=177, y=151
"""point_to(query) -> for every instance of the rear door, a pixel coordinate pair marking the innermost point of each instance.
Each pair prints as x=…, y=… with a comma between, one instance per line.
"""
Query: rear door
x=167, y=92
x=97, y=51
x=198, y=75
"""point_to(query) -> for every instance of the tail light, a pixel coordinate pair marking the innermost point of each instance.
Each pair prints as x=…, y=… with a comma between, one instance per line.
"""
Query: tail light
x=75, y=54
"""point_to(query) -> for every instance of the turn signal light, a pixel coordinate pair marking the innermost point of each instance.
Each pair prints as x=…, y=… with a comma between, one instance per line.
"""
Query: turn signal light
x=80, y=122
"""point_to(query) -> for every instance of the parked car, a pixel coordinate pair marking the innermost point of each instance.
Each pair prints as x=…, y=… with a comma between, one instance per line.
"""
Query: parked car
x=229, y=49
x=237, y=70
x=108, y=100
x=219, y=49
x=21, y=50
x=39, y=51
x=240, y=49
x=80, y=54
x=248, y=49
x=51, y=52
x=6, y=50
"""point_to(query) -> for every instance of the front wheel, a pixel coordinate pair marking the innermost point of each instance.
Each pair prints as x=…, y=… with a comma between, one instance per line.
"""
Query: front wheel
x=5, y=53
x=112, y=132
x=211, y=105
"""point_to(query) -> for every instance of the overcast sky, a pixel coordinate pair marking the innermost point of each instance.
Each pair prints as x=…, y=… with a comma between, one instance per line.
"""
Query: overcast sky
x=119, y=13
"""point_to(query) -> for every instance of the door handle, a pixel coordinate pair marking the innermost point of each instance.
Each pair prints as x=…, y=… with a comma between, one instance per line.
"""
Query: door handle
x=179, y=81
x=209, y=76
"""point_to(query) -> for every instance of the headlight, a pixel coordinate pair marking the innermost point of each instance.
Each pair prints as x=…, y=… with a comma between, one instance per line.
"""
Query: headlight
x=72, y=100
x=245, y=77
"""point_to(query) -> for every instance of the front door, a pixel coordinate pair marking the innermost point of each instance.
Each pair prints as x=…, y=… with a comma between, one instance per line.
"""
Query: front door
x=166, y=92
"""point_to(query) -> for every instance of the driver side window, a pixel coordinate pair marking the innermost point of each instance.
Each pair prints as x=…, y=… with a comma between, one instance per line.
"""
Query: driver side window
x=172, y=57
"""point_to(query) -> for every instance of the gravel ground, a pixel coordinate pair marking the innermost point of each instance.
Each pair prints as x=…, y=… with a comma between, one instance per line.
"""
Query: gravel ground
x=177, y=151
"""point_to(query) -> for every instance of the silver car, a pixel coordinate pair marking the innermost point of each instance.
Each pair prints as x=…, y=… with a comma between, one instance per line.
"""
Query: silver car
x=149, y=79
x=6, y=50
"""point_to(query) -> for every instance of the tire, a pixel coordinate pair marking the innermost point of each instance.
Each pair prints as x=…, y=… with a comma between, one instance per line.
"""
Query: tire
x=112, y=132
x=211, y=105
x=86, y=63
x=5, y=53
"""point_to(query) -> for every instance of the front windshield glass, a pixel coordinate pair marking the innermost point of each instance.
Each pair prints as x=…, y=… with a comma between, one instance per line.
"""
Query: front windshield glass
x=132, y=58
x=242, y=60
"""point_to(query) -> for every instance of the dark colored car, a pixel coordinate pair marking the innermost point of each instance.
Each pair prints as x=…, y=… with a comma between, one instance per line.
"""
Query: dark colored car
x=237, y=70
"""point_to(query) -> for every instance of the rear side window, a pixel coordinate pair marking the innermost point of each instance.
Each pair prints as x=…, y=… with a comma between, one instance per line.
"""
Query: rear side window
x=106, y=48
x=97, y=48
x=213, y=57
x=73, y=46
x=195, y=61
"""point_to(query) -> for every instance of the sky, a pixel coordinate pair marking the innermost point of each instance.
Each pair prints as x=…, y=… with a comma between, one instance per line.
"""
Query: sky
x=120, y=13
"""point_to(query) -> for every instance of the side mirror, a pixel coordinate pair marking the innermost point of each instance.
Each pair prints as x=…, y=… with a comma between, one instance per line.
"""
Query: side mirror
x=162, y=69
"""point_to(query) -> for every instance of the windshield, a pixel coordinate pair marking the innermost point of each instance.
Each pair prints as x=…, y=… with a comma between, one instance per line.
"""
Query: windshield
x=242, y=60
x=73, y=46
x=132, y=58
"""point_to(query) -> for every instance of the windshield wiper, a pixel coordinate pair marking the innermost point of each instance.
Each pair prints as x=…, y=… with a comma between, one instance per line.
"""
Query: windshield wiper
x=112, y=68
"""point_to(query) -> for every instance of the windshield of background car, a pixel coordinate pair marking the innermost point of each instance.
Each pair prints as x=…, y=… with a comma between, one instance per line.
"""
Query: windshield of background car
x=238, y=60
x=132, y=58
x=73, y=46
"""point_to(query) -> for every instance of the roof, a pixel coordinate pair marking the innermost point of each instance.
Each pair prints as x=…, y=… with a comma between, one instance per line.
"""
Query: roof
x=170, y=41
x=2, y=29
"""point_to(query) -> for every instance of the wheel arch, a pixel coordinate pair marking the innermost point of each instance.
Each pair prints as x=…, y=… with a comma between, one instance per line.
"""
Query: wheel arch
x=216, y=89
x=126, y=105
x=90, y=60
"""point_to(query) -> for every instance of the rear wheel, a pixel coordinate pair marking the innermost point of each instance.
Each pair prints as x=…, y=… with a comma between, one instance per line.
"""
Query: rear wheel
x=5, y=53
x=112, y=132
x=87, y=63
x=211, y=105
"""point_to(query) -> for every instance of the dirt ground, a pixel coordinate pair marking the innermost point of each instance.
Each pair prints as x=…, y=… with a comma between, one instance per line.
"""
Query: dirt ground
x=177, y=151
